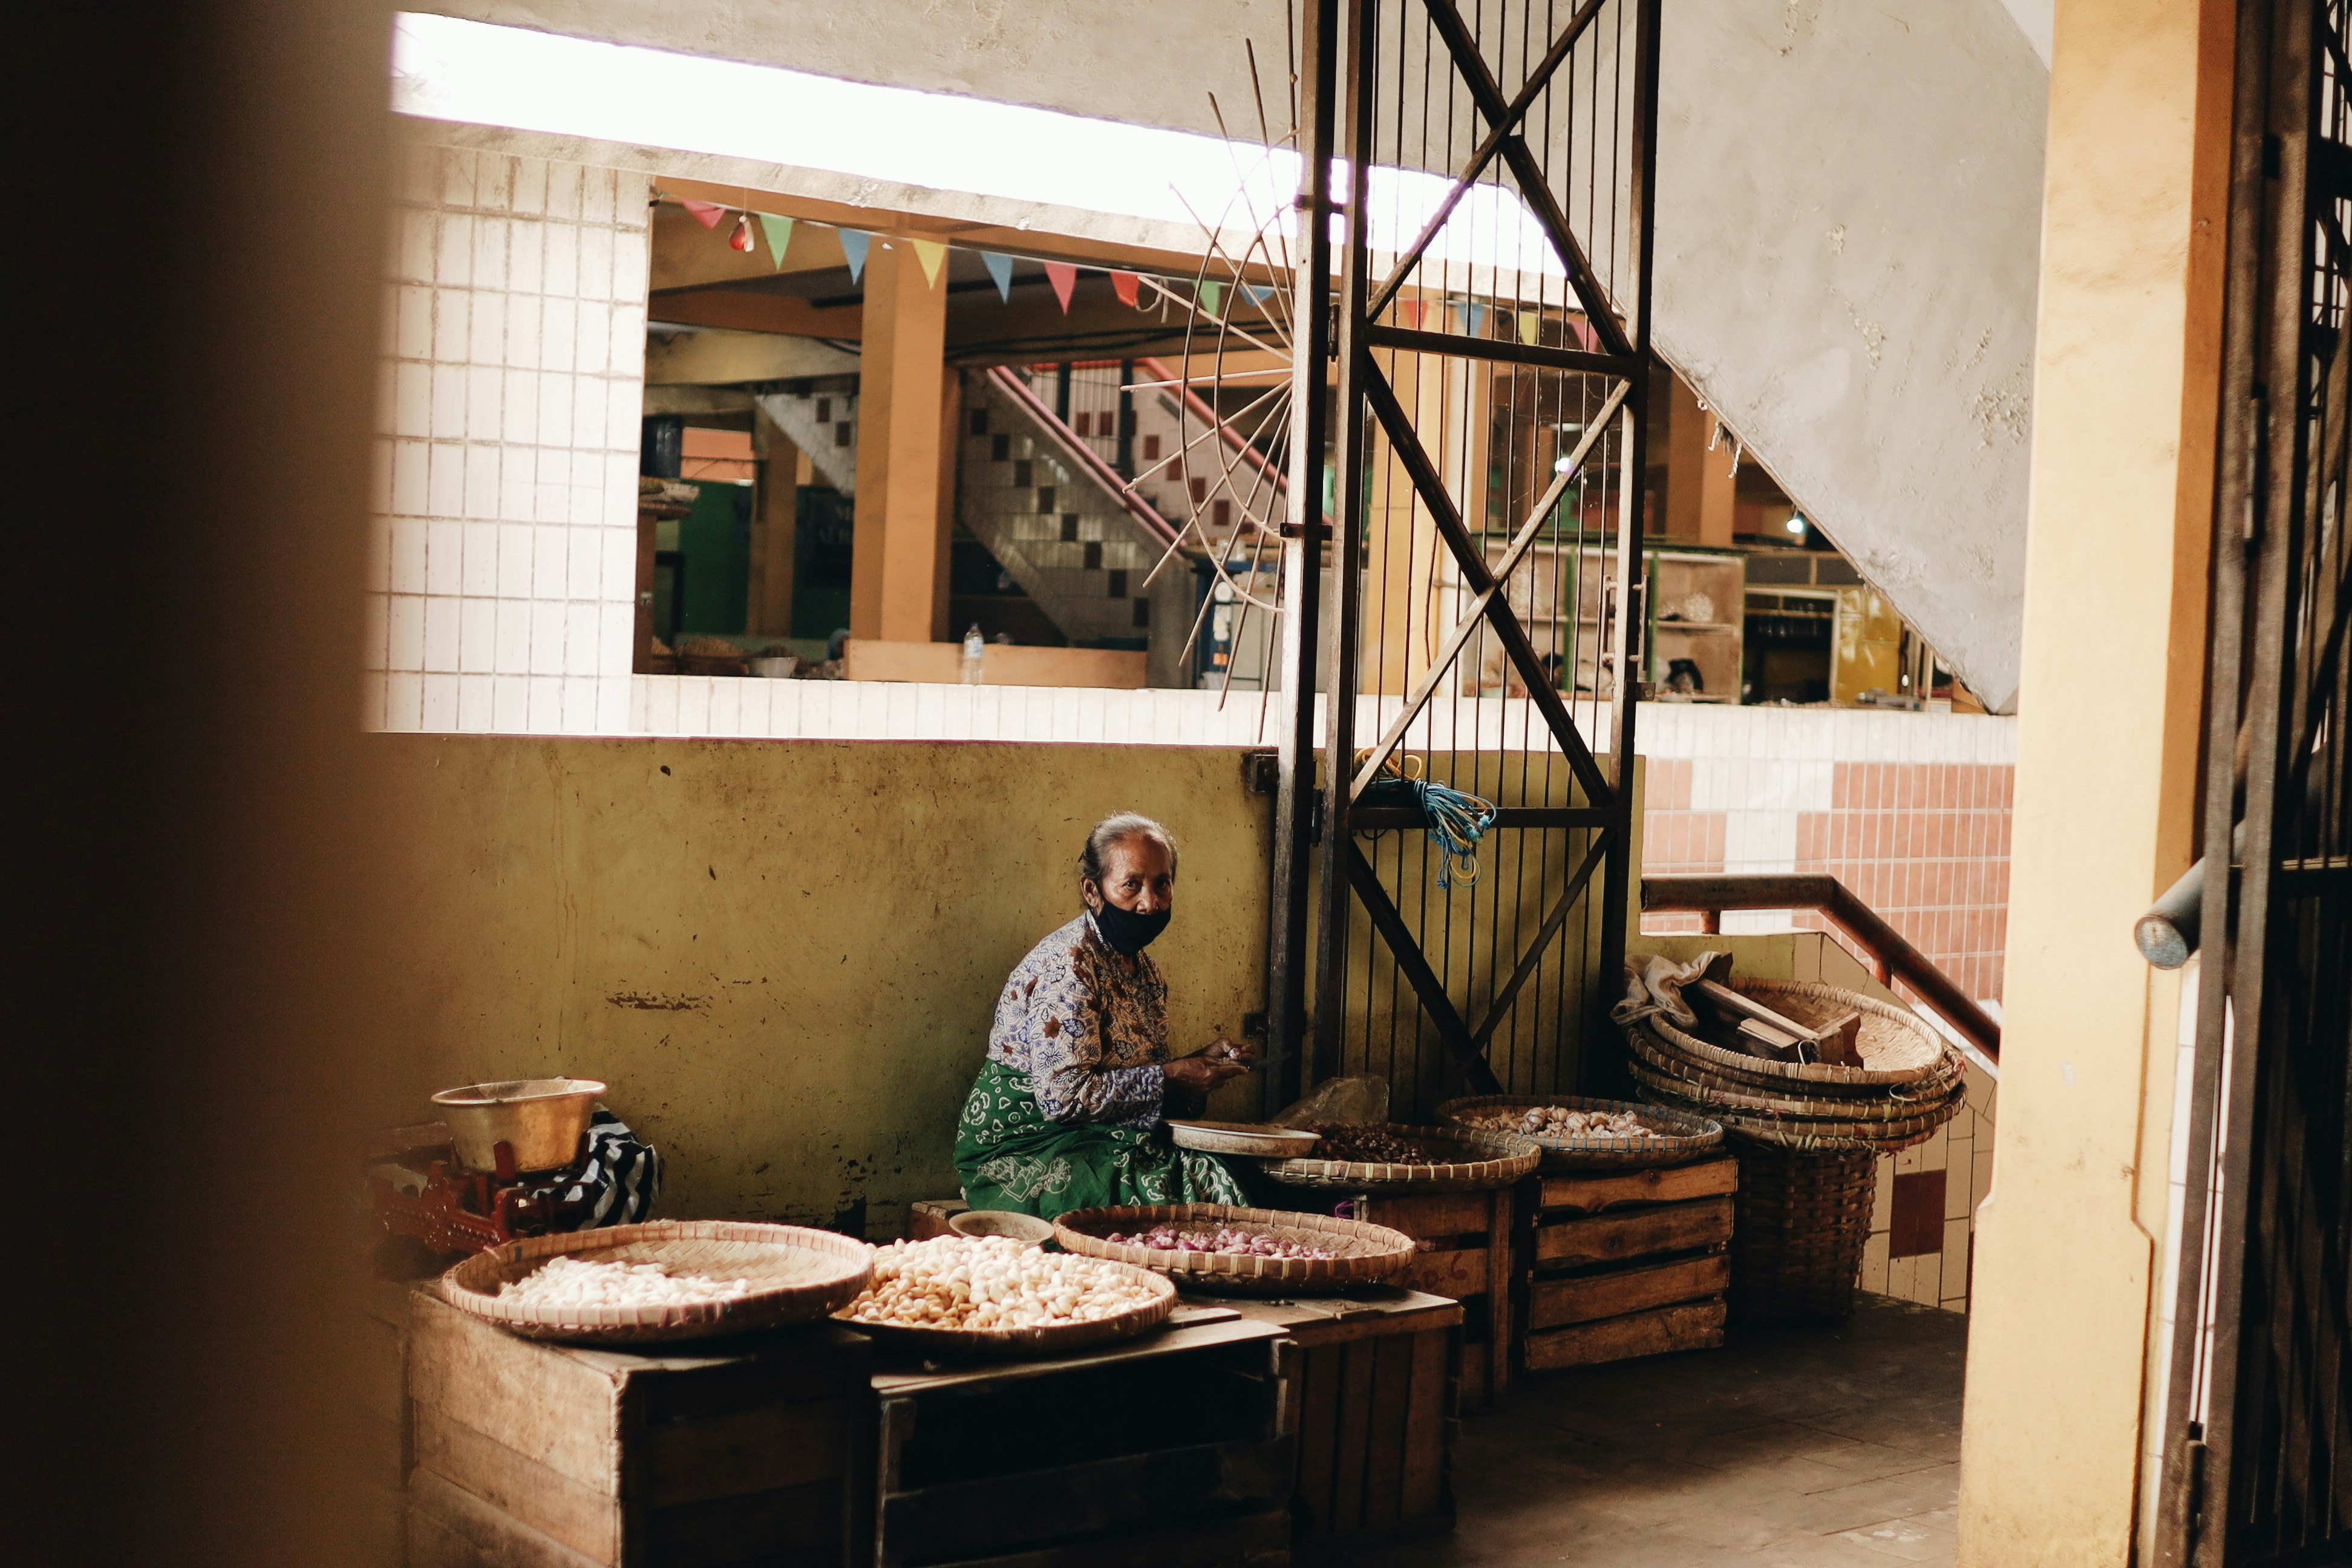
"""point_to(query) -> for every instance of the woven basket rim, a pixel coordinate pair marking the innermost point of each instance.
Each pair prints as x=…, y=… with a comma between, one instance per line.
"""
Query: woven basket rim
x=1757, y=1073
x=1390, y=1250
x=1512, y=1156
x=1905, y=1021
x=1704, y=1134
x=1054, y=1337
x=1743, y=1096
x=799, y=1301
x=1810, y=1134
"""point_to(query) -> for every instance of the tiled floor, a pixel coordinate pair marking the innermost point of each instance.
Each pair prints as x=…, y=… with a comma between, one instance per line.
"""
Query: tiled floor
x=1789, y=1448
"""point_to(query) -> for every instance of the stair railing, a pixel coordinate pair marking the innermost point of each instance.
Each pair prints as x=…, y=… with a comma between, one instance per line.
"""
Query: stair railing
x=1074, y=451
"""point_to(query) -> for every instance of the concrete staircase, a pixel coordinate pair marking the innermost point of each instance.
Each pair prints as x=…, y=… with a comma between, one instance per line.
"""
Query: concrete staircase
x=824, y=425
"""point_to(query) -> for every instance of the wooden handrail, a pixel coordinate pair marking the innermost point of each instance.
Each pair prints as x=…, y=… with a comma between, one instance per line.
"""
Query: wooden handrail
x=1891, y=956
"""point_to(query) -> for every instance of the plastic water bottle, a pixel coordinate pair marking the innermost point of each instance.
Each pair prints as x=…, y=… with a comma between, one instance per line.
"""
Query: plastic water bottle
x=975, y=650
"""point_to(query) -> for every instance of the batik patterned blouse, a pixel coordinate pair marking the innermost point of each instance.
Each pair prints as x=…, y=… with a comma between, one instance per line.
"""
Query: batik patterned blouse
x=1089, y=1026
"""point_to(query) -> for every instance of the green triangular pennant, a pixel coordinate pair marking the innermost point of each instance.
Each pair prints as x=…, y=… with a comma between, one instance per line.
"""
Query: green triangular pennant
x=779, y=231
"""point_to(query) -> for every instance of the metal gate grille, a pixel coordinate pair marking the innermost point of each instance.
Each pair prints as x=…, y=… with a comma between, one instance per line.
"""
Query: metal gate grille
x=1485, y=405
x=2258, y=1462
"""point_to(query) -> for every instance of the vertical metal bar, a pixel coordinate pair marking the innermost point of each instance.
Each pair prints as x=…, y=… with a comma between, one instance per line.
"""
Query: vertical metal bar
x=1126, y=419
x=1616, y=876
x=1359, y=55
x=1302, y=567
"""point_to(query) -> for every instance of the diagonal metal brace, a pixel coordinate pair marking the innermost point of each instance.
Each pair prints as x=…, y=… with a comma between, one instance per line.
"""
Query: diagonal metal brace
x=1415, y=966
x=1529, y=959
x=1472, y=563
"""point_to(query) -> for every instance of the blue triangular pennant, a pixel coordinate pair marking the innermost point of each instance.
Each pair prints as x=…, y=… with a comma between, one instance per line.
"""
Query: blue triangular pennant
x=1259, y=293
x=1474, y=318
x=1000, y=267
x=854, y=243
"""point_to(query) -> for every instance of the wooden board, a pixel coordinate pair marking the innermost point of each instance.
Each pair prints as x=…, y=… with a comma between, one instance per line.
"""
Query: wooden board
x=1456, y=1272
x=1252, y=1541
x=1696, y=1325
x=1433, y=1214
x=1583, y=1299
x=448, y=1527
x=1639, y=1233
x=1674, y=1184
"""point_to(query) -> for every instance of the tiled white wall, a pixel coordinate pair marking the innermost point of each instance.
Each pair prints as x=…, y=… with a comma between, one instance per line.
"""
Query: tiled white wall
x=503, y=567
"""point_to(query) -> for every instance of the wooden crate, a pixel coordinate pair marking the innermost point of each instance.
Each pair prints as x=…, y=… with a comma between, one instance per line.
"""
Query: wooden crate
x=1370, y=1405
x=1165, y=1452
x=1465, y=1253
x=1615, y=1265
x=541, y=1456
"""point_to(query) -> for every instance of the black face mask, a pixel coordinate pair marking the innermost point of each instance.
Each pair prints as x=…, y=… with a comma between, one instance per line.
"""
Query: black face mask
x=1126, y=930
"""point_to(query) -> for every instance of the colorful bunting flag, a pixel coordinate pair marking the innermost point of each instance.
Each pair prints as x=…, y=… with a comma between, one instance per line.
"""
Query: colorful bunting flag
x=779, y=232
x=930, y=253
x=1063, y=277
x=707, y=214
x=854, y=243
x=1409, y=314
x=1259, y=293
x=1474, y=318
x=1000, y=267
x=1530, y=326
x=1212, y=298
x=1126, y=285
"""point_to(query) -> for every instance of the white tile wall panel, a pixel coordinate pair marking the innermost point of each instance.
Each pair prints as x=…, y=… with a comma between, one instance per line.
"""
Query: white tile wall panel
x=502, y=566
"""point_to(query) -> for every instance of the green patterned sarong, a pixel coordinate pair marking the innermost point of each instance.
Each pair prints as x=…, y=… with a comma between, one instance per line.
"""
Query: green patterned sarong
x=1012, y=1157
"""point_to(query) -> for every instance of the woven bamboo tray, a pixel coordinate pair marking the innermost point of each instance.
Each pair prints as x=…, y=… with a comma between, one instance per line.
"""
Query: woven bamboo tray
x=1367, y=1253
x=1800, y=1132
x=1682, y=1137
x=1895, y=1045
x=1485, y=1160
x=1713, y=1089
x=1249, y=1140
x=1800, y=1223
x=1058, y=1339
x=798, y=1275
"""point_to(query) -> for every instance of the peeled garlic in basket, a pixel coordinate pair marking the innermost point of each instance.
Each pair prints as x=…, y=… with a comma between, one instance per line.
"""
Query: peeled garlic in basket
x=991, y=1283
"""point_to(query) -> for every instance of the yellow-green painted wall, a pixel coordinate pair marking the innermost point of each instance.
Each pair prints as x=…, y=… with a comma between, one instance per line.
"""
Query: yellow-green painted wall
x=782, y=956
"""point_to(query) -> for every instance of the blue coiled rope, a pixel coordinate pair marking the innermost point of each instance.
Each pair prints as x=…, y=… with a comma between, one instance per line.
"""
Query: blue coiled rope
x=1457, y=821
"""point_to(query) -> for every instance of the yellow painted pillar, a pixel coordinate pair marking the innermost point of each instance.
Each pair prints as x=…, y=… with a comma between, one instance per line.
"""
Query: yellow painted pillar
x=896, y=582
x=2127, y=359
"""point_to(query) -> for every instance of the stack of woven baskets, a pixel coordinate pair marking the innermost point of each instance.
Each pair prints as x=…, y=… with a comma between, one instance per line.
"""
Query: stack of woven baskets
x=1809, y=1135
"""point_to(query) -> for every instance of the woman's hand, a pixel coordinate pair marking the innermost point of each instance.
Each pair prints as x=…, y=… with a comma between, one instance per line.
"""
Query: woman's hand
x=1200, y=1074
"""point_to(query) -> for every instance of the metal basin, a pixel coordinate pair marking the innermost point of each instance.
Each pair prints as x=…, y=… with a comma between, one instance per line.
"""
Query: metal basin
x=540, y=1119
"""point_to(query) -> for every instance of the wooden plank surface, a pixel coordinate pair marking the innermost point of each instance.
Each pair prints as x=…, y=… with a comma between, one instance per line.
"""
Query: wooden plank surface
x=1431, y=1213
x=899, y=1372
x=450, y=1527
x=1589, y=1192
x=582, y=1517
x=1329, y=1319
x=1355, y=1436
x=1456, y=1272
x=1552, y=1304
x=1421, y=1486
x=1252, y=1541
x=1384, y=1460
x=1694, y=1326
x=1499, y=1298
x=747, y=1451
x=1132, y=1492
x=1640, y=1233
x=1318, y=1435
x=554, y=1409
x=791, y=1527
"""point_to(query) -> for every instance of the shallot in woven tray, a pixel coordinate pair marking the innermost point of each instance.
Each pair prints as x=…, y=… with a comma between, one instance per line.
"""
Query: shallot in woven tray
x=1240, y=1251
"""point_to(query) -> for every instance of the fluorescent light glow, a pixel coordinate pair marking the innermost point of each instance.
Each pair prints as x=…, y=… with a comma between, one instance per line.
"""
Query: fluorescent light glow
x=478, y=74
x=1797, y=523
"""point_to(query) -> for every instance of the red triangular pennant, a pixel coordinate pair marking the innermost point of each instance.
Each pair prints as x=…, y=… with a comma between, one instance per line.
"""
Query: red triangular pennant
x=1126, y=285
x=707, y=214
x=1063, y=277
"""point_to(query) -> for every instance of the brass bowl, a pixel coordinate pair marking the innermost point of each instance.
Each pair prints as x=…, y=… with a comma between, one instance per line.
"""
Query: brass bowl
x=540, y=1119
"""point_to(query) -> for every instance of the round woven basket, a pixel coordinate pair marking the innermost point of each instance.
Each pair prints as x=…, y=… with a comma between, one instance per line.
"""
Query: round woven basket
x=1367, y=1253
x=1894, y=1044
x=1053, y=1339
x=797, y=1275
x=1796, y=1130
x=1680, y=1136
x=1799, y=1223
x=1901, y=1103
x=1479, y=1160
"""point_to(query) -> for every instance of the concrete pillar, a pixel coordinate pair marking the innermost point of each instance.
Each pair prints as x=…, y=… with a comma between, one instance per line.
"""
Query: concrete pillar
x=897, y=580
x=1701, y=489
x=775, y=528
x=2116, y=547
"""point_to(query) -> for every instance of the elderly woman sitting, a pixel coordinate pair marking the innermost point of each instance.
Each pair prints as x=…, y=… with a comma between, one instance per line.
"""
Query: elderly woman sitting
x=1066, y=1111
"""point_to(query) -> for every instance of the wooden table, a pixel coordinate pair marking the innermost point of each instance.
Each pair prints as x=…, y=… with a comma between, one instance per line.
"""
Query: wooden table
x=1373, y=1404
x=1170, y=1451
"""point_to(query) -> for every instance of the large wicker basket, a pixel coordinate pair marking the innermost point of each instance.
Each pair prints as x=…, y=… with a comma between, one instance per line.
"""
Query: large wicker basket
x=1056, y=1339
x=1679, y=1136
x=1799, y=1223
x=797, y=1275
x=1895, y=1045
x=1475, y=1160
x=1367, y=1253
